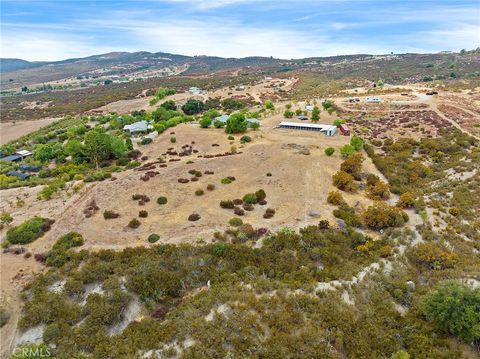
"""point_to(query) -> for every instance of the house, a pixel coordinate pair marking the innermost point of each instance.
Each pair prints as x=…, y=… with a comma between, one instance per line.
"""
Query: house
x=138, y=127
x=309, y=107
x=344, y=129
x=17, y=156
x=222, y=118
x=373, y=99
x=328, y=130
x=20, y=175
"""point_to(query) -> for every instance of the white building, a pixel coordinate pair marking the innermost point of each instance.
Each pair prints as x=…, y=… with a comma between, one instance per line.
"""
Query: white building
x=328, y=130
x=196, y=91
x=373, y=99
x=138, y=127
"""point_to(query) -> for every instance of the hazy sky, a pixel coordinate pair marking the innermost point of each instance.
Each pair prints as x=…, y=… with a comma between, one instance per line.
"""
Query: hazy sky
x=60, y=29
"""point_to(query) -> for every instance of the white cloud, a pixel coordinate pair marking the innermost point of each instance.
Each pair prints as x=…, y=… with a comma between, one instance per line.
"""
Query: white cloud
x=211, y=4
x=48, y=46
x=176, y=32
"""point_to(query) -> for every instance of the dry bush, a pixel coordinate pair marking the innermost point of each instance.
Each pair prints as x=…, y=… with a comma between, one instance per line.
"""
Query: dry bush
x=335, y=198
x=160, y=312
x=344, y=181
x=406, y=200
x=199, y=192
x=228, y=204
x=143, y=214
x=91, y=209
x=269, y=213
x=194, y=217
x=110, y=214
x=134, y=223
x=40, y=257
x=237, y=201
x=248, y=207
x=238, y=211
x=210, y=187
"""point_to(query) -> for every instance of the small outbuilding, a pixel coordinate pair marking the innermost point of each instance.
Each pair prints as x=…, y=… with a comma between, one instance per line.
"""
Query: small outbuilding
x=222, y=119
x=373, y=99
x=17, y=156
x=29, y=168
x=20, y=175
x=344, y=129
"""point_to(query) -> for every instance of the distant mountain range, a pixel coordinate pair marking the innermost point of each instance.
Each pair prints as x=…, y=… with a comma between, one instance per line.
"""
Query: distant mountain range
x=17, y=72
x=121, y=58
x=125, y=66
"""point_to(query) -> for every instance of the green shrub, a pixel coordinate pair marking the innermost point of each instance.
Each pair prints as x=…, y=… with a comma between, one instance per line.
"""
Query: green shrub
x=347, y=214
x=357, y=143
x=69, y=240
x=260, y=194
x=226, y=180
x=152, y=238
x=250, y=198
x=455, y=309
x=230, y=138
x=235, y=221
x=219, y=124
x=205, y=122
x=173, y=139
x=146, y=141
x=245, y=139
x=329, y=151
x=347, y=150
x=162, y=200
x=29, y=230
x=199, y=192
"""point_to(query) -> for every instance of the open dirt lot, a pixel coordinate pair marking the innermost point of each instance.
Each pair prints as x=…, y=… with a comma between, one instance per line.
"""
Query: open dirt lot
x=296, y=194
x=10, y=131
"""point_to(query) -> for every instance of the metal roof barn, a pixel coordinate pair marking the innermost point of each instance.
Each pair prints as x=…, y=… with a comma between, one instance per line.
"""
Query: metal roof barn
x=328, y=130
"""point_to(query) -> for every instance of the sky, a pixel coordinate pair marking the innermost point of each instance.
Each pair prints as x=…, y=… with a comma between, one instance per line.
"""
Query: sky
x=49, y=30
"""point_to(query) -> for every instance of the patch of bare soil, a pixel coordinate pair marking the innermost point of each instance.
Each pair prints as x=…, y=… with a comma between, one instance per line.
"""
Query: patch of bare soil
x=10, y=131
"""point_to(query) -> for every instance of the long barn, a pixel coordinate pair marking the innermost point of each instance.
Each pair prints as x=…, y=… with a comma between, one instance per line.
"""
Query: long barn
x=328, y=130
